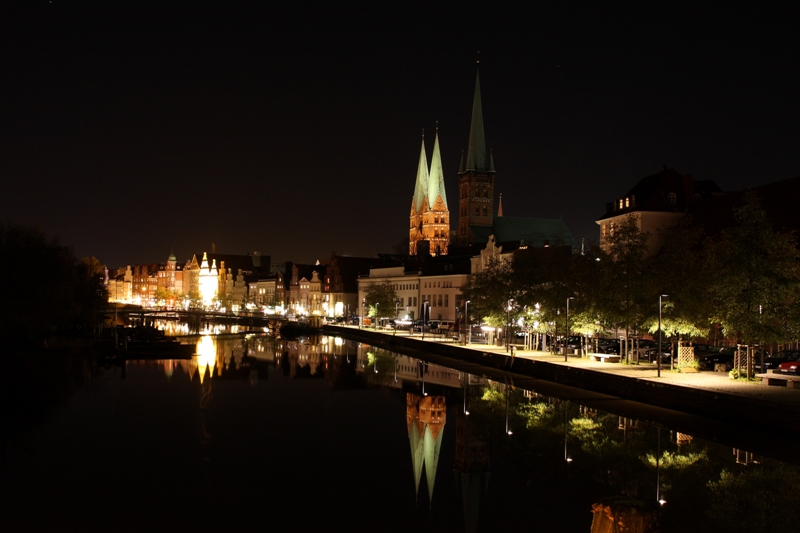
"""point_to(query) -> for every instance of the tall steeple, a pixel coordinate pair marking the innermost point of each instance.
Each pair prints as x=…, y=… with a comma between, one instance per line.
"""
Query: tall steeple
x=476, y=153
x=475, y=178
x=436, y=176
x=421, y=187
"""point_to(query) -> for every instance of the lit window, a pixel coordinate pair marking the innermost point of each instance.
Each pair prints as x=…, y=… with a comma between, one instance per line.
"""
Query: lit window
x=627, y=202
x=672, y=198
x=620, y=203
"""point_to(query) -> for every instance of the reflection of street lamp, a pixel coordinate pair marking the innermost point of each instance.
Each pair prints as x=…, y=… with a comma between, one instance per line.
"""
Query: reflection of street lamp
x=507, y=431
x=660, y=296
x=567, y=458
x=659, y=499
x=466, y=384
x=566, y=338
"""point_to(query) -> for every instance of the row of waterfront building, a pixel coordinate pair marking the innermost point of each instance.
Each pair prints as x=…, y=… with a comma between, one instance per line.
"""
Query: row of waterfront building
x=439, y=260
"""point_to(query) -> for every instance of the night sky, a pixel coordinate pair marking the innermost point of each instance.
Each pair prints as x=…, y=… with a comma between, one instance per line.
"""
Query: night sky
x=129, y=130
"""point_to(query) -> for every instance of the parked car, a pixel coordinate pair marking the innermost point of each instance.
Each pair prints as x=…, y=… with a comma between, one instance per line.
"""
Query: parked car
x=774, y=361
x=666, y=353
x=790, y=367
x=609, y=346
x=724, y=356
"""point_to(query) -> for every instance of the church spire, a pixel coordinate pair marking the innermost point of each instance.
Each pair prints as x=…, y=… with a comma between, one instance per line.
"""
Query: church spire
x=476, y=153
x=436, y=176
x=421, y=187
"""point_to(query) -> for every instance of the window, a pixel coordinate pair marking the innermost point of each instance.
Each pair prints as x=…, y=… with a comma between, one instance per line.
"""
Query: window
x=477, y=211
x=620, y=203
x=446, y=300
x=672, y=198
x=627, y=202
x=485, y=211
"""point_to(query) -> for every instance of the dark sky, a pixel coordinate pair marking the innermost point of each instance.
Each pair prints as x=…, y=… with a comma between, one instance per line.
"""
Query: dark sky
x=130, y=130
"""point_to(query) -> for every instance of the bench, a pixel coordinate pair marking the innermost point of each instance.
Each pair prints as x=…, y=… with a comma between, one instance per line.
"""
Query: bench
x=606, y=357
x=774, y=378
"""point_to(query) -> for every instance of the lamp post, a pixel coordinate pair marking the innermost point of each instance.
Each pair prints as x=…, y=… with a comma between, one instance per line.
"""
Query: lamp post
x=660, y=296
x=466, y=318
x=424, y=318
x=508, y=322
x=396, y=304
x=566, y=335
x=376, y=316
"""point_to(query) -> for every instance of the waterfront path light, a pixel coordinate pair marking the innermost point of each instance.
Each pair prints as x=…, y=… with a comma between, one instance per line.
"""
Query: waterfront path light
x=566, y=337
x=660, y=296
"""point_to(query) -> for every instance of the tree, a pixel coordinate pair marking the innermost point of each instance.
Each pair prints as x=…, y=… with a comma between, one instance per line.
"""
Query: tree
x=381, y=299
x=43, y=287
x=680, y=271
x=755, y=288
x=625, y=301
x=489, y=292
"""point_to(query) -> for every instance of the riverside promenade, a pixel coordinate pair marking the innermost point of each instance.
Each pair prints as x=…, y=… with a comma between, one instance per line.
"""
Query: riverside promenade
x=707, y=394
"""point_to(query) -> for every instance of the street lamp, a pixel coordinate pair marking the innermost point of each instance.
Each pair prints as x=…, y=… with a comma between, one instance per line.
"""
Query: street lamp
x=466, y=318
x=396, y=304
x=508, y=322
x=376, y=316
x=566, y=338
x=660, y=296
x=424, y=317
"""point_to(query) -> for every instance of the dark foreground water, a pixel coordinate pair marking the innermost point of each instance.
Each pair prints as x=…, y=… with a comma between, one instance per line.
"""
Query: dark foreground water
x=327, y=435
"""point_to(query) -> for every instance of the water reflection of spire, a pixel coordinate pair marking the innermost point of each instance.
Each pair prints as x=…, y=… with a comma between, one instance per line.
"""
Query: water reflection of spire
x=471, y=471
x=425, y=418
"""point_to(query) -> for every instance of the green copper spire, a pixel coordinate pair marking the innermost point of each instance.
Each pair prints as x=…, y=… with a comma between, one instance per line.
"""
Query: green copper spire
x=436, y=177
x=476, y=153
x=421, y=188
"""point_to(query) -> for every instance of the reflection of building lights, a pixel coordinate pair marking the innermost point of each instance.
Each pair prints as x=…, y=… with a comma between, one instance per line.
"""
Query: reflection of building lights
x=338, y=341
x=206, y=355
x=662, y=501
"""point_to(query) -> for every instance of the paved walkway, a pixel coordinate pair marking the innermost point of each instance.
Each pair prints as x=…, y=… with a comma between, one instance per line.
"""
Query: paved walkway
x=714, y=381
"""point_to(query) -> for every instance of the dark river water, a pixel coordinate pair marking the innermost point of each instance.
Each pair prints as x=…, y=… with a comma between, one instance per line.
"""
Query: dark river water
x=331, y=435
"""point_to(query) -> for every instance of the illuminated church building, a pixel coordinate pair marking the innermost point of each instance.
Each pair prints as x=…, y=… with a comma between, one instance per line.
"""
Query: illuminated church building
x=478, y=223
x=430, y=217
